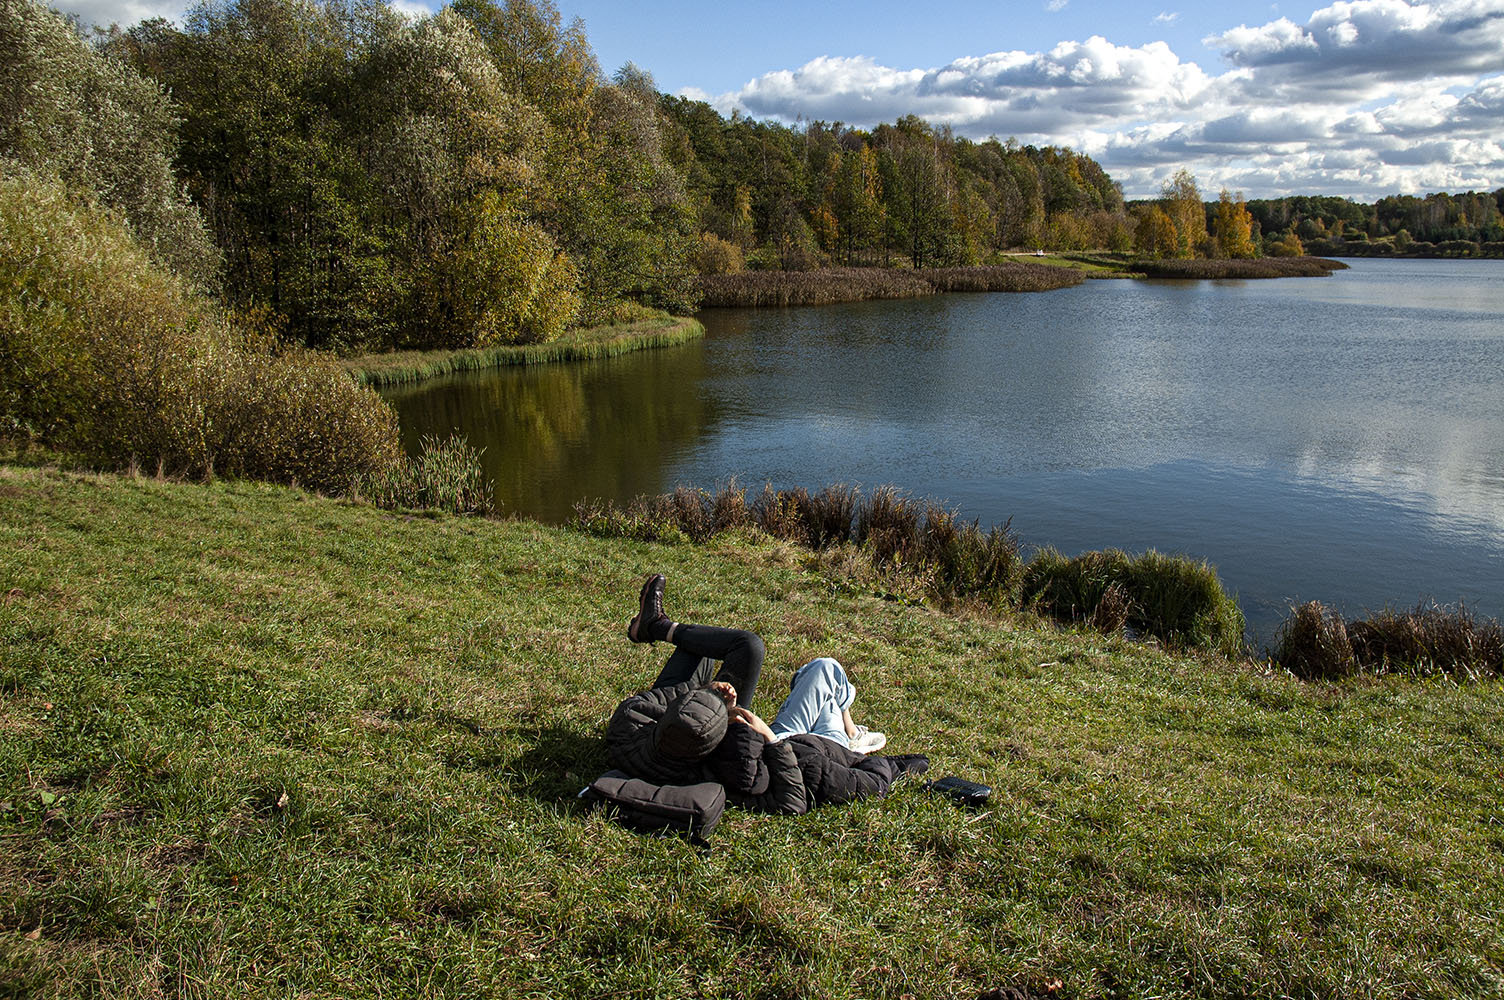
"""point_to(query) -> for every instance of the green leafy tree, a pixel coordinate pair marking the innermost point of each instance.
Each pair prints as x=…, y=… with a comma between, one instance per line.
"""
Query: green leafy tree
x=67, y=110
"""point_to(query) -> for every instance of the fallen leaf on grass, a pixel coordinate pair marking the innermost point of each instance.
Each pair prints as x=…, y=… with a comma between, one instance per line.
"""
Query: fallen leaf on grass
x=282, y=802
x=35, y=935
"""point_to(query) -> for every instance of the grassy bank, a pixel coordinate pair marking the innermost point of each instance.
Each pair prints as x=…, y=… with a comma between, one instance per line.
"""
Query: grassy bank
x=857, y=284
x=397, y=367
x=256, y=743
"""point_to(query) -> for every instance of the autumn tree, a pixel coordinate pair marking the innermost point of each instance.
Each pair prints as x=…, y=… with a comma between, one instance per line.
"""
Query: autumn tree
x=1232, y=229
x=1155, y=234
x=1181, y=201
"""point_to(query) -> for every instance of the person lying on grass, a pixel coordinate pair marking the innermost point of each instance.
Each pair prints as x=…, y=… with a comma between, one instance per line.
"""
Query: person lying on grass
x=691, y=727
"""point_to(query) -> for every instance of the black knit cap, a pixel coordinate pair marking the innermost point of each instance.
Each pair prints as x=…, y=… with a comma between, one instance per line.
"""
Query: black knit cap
x=692, y=726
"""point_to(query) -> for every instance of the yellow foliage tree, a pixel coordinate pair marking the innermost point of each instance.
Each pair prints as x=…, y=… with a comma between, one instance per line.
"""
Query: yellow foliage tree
x=1181, y=201
x=1233, y=227
x=1288, y=246
x=1155, y=235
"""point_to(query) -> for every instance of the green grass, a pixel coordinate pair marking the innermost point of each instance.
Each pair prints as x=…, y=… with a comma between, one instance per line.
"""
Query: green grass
x=584, y=344
x=256, y=743
x=1097, y=264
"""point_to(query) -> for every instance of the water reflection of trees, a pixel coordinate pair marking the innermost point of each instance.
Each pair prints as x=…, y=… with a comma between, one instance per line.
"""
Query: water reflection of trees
x=554, y=434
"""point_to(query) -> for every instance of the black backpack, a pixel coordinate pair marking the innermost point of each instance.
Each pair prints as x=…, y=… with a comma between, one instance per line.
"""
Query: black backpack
x=689, y=810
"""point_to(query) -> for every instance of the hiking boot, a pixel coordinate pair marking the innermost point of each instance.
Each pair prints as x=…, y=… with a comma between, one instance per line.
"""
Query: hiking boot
x=651, y=624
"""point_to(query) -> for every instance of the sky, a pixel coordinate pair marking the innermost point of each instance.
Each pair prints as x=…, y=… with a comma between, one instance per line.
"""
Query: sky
x=1360, y=98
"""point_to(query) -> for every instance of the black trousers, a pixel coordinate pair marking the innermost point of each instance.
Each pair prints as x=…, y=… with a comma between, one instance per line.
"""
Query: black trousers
x=707, y=652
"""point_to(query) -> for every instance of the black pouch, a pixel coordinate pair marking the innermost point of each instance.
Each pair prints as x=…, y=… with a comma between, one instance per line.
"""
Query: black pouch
x=966, y=793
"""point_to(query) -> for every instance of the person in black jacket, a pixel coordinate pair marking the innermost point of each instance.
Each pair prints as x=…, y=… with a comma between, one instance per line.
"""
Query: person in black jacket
x=691, y=728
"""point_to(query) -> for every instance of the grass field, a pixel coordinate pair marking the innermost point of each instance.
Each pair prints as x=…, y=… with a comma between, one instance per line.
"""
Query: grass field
x=256, y=743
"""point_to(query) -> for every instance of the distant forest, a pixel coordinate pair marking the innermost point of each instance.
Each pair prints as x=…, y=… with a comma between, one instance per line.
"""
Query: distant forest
x=348, y=177
x=1469, y=224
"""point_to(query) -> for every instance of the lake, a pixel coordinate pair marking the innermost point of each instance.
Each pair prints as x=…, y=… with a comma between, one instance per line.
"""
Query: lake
x=1335, y=438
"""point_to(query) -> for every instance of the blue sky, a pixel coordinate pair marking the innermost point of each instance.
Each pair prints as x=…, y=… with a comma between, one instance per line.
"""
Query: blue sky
x=717, y=48
x=1361, y=98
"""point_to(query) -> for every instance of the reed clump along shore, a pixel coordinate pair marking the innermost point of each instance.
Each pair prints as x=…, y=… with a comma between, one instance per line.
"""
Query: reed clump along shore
x=932, y=549
x=1317, y=642
x=254, y=740
x=643, y=330
x=1263, y=267
x=856, y=284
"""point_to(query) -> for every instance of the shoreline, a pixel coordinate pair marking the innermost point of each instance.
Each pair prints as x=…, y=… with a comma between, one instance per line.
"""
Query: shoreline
x=583, y=344
x=833, y=285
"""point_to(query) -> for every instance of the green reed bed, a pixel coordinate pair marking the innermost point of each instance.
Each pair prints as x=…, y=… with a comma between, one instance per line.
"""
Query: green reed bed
x=1263, y=267
x=446, y=475
x=257, y=743
x=1174, y=598
x=856, y=284
x=609, y=341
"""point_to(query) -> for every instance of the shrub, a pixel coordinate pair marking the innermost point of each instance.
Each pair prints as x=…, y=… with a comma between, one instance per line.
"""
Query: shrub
x=1313, y=644
x=1176, y=599
x=714, y=255
x=105, y=353
x=446, y=474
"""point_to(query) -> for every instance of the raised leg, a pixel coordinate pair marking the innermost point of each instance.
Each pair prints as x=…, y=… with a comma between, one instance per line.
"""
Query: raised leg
x=707, y=652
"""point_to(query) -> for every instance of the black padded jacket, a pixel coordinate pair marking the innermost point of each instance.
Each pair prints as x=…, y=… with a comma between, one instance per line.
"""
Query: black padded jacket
x=757, y=774
x=833, y=774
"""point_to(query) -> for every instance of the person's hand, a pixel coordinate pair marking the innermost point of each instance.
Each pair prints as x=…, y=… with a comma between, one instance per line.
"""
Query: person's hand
x=726, y=691
x=750, y=718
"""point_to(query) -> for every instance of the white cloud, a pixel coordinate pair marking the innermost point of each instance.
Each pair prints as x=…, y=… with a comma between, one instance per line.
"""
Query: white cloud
x=122, y=12
x=411, y=8
x=1055, y=6
x=1361, y=99
x=1167, y=17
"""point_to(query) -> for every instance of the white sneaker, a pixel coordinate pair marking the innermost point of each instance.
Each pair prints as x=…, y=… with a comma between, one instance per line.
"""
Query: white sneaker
x=866, y=741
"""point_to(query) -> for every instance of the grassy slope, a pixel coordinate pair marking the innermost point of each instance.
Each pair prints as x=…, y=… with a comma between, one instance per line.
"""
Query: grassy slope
x=582, y=344
x=255, y=743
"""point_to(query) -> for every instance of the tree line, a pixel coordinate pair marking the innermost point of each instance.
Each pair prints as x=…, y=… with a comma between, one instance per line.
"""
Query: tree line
x=1467, y=224
x=374, y=180
x=798, y=196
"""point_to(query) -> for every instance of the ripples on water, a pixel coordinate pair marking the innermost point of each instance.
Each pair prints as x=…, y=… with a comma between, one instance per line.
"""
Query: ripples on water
x=1337, y=438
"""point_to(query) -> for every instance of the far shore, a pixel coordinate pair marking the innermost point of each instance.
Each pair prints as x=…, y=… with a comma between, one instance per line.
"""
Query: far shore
x=1021, y=273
